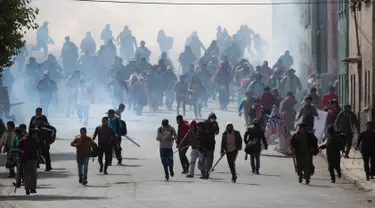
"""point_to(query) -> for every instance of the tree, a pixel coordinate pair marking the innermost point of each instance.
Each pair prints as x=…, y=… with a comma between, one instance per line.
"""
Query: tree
x=16, y=17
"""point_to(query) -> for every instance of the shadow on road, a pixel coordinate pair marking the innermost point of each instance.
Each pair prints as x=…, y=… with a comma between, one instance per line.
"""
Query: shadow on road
x=271, y=175
x=131, y=158
x=116, y=174
x=319, y=186
x=229, y=182
x=98, y=186
x=48, y=198
x=277, y=156
x=126, y=182
x=54, y=174
x=66, y=156
x=130, y=166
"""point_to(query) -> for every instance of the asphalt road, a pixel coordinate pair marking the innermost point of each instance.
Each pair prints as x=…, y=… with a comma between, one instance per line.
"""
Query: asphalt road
x=140, y=181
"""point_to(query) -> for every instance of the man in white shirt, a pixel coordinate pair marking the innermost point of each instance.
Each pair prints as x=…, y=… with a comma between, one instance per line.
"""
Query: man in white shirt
x=84, y=98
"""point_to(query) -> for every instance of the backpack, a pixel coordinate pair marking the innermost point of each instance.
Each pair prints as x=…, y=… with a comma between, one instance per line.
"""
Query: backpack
x=165, y=133
x=123, y=129
x=48, y=133
x=94, y=152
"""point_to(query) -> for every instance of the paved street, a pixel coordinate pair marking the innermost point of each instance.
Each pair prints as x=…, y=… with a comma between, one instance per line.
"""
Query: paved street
x=140, y=182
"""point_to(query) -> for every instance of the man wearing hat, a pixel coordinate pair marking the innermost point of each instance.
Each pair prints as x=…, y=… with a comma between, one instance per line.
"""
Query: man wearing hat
x=46, y=87
x=42, y=39
x=246, y=105
x=114, y=123
x=308, y=111
x=290, y=82
x=304, y=146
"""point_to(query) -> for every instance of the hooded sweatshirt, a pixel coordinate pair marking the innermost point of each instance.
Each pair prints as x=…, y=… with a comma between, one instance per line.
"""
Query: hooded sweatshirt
x=183, y=129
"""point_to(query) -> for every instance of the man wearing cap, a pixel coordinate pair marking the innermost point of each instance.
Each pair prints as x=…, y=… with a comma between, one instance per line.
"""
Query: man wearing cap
x=308, y=111
x=246, y=105
x=347, y=122
x=304, y=146
x=69, y=56
x=42, y=39
x=114, y=123
x=47, y=88
x=84, y=98
x=290, y=82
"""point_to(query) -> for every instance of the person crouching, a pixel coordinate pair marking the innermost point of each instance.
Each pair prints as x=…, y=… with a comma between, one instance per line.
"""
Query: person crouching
x=83, y=143
x=231, y=143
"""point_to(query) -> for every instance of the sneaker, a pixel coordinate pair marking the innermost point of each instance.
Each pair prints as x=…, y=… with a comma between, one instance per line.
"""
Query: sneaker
x=166, y=178
x=11, y=175
x=234, y=179
x=33, y=191
x=84, y=182
x=27, y=192
x=172, y=173
x=307, y=181
x=101, y=169
x=300, y=179
x=257, y=172
x=105, y=172
x=339, y=174
x=333, y=181
x=184, y=172
x=119, y=162
x=203, y=177
x=253, y=171
x=189, y=176
x=49, y=168
x=80, y=180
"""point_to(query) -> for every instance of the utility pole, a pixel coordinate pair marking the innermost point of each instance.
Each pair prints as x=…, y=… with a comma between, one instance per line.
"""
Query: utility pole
x=355, y=6
x=318, y=47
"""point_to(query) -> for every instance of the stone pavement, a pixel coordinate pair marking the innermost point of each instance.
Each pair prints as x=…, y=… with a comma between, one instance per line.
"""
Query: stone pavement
x=139, y=183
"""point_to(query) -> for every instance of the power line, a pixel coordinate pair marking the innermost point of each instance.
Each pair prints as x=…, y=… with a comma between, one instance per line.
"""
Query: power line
x=212, y=3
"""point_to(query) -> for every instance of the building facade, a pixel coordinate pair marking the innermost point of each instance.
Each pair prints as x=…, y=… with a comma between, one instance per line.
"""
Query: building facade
x=343, y=50
x=361, y=74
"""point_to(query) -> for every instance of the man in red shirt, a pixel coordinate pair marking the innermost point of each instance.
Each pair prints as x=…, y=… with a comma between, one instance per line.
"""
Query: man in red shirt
x=331, y=95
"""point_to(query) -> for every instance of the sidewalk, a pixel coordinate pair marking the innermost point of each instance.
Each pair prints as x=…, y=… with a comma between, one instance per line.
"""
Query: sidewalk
x=352, y=170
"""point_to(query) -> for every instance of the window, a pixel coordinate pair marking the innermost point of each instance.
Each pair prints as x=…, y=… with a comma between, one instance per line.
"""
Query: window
x=365, y=89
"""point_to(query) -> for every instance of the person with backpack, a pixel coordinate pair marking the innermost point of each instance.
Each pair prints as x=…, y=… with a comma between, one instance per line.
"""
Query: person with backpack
x=166, y=134
x=115, y=123
x=106, y=138
x=84, y=145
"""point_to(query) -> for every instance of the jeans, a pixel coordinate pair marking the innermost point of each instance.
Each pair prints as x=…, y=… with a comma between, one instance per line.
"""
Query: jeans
x=139, y=109
x=46, y=155
x=107, y=152
x=197, y=106
x=224, y=96
x=83, y=113
x=169, y=98
x=255, y=161
x=83, y=166
x=231, y=157
x=206, y=159
x=194, y=155
x=348, y=142
x=166, y=156
x=183, y=159
x=181, y=102
x=369, y=163
x=117, y=148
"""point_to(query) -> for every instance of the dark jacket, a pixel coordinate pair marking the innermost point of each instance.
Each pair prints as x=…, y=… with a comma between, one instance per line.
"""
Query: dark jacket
x=334, y=146
x=193, y=138
x=253, y=138
x=30, y=147
x=312, y=143
x=206, y=143
x=238, y=139
x=37, y=120
x=345, y=122
x=105, y=135
x=366, y=142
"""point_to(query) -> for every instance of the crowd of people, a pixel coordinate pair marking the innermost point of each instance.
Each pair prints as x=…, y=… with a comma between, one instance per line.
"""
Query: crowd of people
x=266, y=98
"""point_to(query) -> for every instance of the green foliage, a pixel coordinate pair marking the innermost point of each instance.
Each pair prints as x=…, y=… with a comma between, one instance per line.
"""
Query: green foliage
x=16, y=17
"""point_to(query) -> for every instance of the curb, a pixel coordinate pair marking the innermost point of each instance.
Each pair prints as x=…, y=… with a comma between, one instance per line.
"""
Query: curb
x=361, y=184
